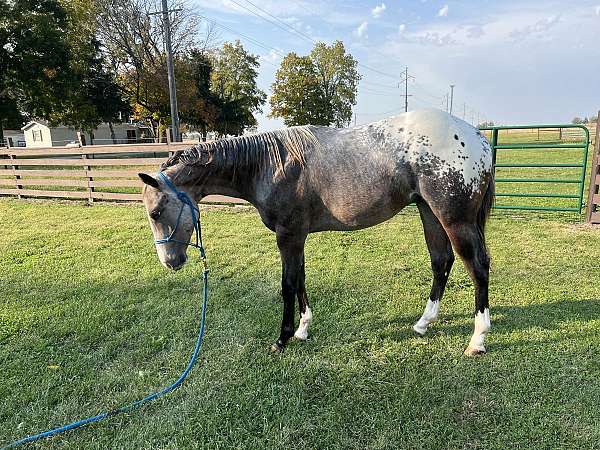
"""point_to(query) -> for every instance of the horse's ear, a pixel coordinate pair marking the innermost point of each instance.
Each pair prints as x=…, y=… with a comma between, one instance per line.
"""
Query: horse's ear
x=149, y=180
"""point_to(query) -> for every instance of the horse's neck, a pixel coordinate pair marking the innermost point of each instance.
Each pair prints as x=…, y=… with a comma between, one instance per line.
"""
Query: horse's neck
x=201, y=181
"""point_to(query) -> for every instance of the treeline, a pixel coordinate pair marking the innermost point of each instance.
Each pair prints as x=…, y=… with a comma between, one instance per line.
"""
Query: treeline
x=84, y=62
x=582, y=120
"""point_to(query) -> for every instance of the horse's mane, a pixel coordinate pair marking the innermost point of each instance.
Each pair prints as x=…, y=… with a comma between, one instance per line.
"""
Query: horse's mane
x=263, y=150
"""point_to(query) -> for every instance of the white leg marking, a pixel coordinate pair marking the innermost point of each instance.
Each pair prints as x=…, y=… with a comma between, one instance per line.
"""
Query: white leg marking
x=305, y=320
x=429, y=315
x=482, y=326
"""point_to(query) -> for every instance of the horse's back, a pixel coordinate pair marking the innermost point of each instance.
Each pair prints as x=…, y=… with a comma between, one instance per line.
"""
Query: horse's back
x=365, y=175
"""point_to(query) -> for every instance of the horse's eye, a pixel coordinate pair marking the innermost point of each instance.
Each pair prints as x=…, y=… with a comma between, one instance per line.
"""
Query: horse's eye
x=155, y=214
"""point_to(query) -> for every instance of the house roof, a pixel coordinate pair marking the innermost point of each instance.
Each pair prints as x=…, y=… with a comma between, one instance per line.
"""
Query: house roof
x=32, y=123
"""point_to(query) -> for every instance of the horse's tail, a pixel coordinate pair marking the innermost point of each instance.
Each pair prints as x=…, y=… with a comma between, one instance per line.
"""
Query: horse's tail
x=486, y=207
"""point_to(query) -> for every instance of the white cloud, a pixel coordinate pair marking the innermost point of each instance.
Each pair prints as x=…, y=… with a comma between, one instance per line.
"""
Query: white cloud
x=443, y=12
x=475, y=31
x=434, y=38
x=378, y=10
x=298, y=24
x=597, y=9
x=272, y=56
x=362, y=29
x=539, y=29
x=401, y=28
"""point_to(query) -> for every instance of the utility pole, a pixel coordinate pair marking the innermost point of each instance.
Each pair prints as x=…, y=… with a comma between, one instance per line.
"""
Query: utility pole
x=170, y=68
x=171, y=72
x=406, y=95
x=447, y=102
x=464, y=110
x=451, y=97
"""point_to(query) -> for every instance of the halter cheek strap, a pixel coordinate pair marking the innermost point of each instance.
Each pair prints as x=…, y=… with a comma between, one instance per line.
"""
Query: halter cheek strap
x=185, y=200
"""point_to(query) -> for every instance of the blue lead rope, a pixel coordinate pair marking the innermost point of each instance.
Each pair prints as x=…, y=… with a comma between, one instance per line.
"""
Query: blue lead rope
x=186, y=201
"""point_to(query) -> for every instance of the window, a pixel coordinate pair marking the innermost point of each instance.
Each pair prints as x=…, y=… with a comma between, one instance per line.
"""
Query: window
x=131, y=136
x=37, y=136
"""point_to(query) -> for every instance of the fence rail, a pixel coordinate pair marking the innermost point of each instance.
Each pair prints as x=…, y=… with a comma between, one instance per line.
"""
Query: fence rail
x=100, y=172
x=524, y=169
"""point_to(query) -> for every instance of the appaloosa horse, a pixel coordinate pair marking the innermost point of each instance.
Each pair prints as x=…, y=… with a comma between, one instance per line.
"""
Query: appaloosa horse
x=308, y=179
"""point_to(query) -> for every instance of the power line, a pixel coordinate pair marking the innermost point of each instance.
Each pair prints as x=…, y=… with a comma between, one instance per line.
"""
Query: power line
x=286, y=27
x=294, y=31
x=371, y=91
x=379, y=85
x=426, y=92
x=251, y=39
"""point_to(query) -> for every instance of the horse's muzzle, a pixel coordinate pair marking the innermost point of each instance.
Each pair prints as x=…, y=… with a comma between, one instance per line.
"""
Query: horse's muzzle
x=177, y=262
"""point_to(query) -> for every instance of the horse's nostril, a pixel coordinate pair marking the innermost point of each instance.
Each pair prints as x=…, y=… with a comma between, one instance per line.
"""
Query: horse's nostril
x=177, y=262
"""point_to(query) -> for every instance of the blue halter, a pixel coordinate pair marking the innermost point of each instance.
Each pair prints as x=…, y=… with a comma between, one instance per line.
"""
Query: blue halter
x=185, y=200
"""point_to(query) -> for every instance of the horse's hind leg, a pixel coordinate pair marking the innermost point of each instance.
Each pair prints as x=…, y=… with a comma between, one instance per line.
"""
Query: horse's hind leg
x=469, y=243
x=305, y=311
x=442, y=258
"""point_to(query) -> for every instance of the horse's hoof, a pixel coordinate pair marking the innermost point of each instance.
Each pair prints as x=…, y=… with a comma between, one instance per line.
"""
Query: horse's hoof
x=474, y=351
x=301, y=335
x=277, y=348
x=419, y=331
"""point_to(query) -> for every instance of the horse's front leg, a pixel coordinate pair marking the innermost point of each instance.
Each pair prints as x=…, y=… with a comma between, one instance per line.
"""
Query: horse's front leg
x=291, y=249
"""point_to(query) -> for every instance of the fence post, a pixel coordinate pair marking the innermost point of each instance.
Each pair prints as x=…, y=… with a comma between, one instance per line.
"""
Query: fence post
x=90, y=187
x=168, y=133
x=594, y=205
x=494, y=144
x=15, y=168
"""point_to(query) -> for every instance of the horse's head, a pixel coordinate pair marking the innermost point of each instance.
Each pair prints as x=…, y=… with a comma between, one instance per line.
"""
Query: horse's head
x=172, y=213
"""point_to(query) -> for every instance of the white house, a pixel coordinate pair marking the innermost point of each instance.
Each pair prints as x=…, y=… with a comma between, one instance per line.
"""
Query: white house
x=39, y=134
x=14, y=138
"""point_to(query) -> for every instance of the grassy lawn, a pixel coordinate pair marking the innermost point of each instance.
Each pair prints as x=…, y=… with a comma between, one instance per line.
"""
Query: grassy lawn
x=89, y=320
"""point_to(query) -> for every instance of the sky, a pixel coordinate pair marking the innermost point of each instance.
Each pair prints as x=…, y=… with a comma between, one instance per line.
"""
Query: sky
x=512, y=62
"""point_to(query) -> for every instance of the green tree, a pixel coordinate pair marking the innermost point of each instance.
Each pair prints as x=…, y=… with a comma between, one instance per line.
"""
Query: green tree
x=233, y=81
x=318, y=89
x=34, y=57
x=200, y=107
x=93, y=96
x=296, y=95
x=133, y=41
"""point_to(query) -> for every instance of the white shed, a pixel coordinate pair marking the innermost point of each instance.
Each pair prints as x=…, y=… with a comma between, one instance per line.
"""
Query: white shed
x=39, y=134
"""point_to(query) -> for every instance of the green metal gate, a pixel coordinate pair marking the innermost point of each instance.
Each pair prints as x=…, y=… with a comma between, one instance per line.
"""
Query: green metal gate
x=539, y=167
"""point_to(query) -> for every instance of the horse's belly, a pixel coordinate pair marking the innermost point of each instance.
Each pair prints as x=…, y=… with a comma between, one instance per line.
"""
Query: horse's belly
x=356, y=212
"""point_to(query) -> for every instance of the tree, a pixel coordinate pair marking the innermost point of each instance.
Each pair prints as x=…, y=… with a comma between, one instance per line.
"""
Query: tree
x=577, y=120
x=296, y=96
x=133, y=41
x=318, y=89
x=200, y=107
x=34, y=58
x=233, y=81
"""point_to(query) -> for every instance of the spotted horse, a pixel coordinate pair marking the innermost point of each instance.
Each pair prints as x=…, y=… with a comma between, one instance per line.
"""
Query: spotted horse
x=308, y=179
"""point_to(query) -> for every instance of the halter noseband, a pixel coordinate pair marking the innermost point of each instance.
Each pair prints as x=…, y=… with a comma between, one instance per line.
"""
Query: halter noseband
x=185, y=199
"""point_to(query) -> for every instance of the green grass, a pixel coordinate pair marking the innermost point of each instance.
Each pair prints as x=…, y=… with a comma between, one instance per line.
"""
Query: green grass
x=89, y=320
